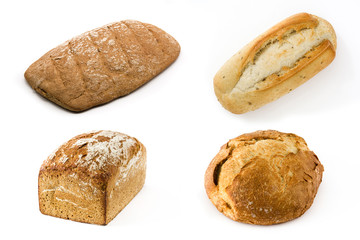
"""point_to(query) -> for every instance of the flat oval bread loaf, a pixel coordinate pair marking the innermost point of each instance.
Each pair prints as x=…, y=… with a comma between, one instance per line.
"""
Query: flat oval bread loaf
x=275, y=63
x=102, y=64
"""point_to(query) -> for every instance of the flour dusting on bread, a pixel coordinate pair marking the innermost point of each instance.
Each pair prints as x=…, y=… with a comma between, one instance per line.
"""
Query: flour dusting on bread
x=92, y=177
x=100, y=152
x=102, y=148
x=282, y=54
x=275, y=63
x=103, y=64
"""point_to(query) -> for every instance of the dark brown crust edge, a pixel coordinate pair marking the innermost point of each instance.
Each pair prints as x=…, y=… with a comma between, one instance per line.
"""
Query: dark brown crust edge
x=212, y=189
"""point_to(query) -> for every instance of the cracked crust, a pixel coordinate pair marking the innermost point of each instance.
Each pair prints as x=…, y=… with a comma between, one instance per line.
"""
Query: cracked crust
x=92, y=177
x=263, y=178
x=103, y=64
x=275, y=84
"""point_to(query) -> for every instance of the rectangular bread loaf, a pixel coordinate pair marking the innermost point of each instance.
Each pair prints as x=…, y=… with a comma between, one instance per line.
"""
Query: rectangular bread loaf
x=92, y=177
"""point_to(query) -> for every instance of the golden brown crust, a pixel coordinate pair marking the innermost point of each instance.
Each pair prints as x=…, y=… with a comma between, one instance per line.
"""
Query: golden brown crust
x=92, y=177
x=265, y=177
x=274, y=85
x=81, y=153
x=102, y=64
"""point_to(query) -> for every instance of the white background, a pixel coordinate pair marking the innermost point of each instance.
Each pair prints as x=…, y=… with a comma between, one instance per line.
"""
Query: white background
x=178, y=118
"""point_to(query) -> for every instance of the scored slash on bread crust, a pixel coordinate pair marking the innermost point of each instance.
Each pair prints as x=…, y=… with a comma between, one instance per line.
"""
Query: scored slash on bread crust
x=280, y=80
x=92, y=177
x=264, y=178
x=102, y=64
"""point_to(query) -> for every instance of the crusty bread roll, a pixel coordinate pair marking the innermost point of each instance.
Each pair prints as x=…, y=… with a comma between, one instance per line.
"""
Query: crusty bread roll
x=275, y=63
x=92, y=177
x=264, y=177
x=102, y=64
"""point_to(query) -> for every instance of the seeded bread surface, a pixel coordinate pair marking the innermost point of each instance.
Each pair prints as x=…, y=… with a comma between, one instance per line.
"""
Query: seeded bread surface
x=92, y=177
x=275, y=63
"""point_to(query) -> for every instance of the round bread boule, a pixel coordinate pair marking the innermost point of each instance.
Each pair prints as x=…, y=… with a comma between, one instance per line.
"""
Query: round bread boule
x=264, y=178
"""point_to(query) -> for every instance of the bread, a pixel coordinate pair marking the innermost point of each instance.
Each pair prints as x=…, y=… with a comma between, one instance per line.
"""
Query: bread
x=275, y=63
x=264, y=178
x=102, y=64
x=92, y=177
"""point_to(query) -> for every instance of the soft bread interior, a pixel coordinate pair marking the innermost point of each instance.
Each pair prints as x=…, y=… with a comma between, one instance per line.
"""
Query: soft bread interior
x=276, y=54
